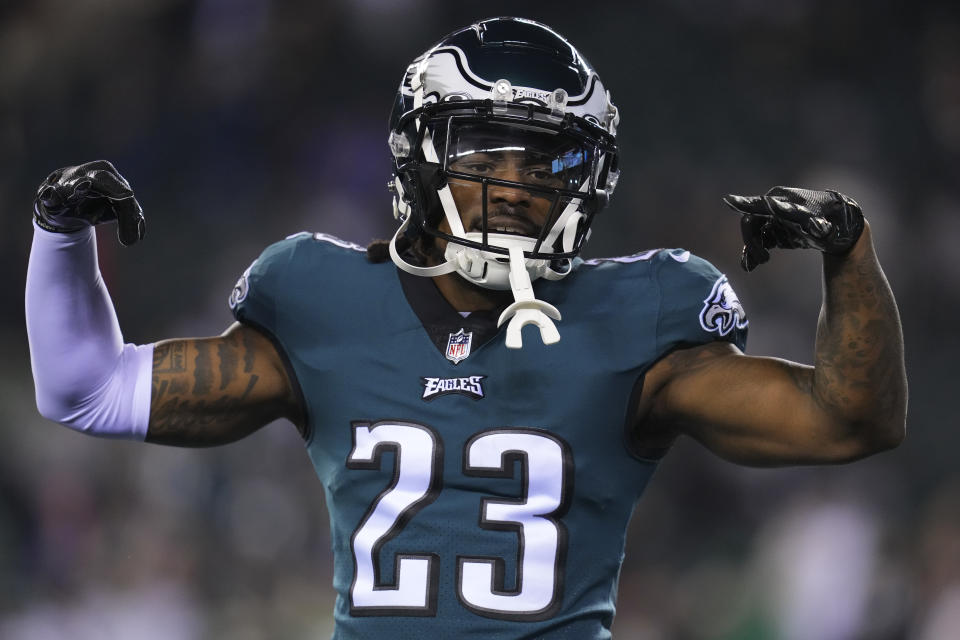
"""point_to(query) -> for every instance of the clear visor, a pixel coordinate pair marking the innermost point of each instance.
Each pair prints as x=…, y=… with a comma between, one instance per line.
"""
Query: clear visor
x=546, y=160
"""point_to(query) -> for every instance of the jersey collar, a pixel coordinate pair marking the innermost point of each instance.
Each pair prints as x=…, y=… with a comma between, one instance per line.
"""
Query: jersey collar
x=439, y=319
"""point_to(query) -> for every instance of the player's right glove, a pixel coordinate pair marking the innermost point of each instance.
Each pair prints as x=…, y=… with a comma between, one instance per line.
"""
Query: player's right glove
x=72, y=198
x=790, y=218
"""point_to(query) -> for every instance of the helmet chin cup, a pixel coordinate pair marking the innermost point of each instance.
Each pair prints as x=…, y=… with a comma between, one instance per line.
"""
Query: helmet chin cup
x=471, y=265
x=526, y=309
x=492, y=270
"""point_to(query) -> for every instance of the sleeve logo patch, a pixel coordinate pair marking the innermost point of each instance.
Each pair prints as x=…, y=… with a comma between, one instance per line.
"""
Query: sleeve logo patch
x=240, y=290
x=722, y=311
x=471, y=386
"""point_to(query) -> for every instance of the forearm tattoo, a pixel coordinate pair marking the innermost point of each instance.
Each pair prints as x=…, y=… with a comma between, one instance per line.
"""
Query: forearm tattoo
x=859, y=368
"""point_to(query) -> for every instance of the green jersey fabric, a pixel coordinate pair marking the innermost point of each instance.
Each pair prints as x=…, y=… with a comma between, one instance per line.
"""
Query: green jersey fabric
x=476, y=491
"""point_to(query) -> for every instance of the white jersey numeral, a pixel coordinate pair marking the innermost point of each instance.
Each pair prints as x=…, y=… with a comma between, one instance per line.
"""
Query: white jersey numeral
x=534, y=517
x=414, y=486
x=546, y=466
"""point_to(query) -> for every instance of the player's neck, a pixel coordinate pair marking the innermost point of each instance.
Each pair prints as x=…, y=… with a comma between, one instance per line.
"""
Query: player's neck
x=466, y=296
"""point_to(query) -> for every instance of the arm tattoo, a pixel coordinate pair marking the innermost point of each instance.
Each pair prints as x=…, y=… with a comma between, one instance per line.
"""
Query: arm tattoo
x=203, y=374
x=250, y=386
x=186, y=422
x=248, y=350
x=228, y=365
x=169, y=357
x=859, y=371
x=212, y=402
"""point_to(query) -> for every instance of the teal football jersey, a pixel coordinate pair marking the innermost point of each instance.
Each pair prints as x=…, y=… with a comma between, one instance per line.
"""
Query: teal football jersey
x=476, y=491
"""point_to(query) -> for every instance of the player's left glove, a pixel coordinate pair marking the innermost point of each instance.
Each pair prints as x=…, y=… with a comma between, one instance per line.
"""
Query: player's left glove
x=790, y=218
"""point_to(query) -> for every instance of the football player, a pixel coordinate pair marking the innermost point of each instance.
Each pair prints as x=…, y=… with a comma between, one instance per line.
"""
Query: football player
x=480, y=478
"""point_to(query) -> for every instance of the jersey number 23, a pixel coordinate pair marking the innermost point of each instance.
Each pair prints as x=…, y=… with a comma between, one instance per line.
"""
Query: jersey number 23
x=546, y=471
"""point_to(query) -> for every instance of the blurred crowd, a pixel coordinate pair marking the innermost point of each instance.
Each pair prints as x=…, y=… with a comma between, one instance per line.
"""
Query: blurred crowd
x=239, y=122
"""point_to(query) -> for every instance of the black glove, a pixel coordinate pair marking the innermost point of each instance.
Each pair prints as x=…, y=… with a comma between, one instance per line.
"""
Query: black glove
x=76, y=197
x=791, y=218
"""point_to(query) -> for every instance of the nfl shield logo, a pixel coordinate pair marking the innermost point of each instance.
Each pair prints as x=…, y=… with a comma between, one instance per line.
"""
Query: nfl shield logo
x=458, y=346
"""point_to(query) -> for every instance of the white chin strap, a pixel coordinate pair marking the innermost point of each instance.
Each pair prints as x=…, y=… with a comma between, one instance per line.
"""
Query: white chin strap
x=428, y=272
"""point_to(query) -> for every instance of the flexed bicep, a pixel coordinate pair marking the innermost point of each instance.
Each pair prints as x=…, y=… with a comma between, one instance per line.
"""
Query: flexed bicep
x=755, y=411
x=209, y=391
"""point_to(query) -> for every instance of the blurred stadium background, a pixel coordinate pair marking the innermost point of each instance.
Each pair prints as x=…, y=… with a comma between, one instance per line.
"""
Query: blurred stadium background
x=241, y=121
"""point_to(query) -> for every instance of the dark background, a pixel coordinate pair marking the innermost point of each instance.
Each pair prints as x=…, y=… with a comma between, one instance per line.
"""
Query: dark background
x=240, y=122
